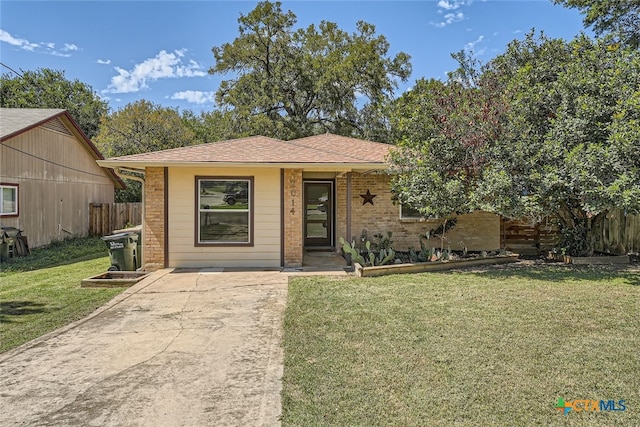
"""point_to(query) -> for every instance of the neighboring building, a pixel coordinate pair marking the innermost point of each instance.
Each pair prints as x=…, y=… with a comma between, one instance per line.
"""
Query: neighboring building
x=259, y=202
x=49, y=175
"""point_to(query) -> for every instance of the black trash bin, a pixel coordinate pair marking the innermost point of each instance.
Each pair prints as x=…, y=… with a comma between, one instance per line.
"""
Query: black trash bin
x=6, y=245
x=123, y=251
x=12, y=243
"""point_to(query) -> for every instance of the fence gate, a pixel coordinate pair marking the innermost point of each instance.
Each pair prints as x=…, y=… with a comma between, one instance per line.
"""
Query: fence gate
x=106, y=217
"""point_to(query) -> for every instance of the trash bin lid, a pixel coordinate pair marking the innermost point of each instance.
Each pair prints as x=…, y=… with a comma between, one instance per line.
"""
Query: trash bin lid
x=137, y=229
x=115, y=236
x=11, y=231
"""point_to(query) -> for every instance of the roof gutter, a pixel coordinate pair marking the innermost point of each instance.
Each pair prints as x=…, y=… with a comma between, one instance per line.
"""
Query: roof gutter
x=134, y=165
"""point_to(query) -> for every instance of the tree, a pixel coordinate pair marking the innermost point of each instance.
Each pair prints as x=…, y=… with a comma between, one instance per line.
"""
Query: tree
x=572, y=146
x=549, y=128
x=218, y=125
x=306, y=81
x=46, y=88
x=620, y=18
x=141, y=127
x=445, y=133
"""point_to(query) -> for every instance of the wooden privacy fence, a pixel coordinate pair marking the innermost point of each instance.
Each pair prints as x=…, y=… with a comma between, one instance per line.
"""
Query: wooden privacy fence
x=106, y=217
x=617, y=233
x=529, y=239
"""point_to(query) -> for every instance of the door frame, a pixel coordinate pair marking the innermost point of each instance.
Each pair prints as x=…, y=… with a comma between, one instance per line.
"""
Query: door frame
x=331, y=218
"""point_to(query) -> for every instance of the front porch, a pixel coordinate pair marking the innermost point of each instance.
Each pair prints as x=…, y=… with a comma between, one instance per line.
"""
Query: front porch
x=323, y=260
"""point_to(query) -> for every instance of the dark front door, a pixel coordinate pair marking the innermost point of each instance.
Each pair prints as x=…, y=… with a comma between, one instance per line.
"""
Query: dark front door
x=318, y=213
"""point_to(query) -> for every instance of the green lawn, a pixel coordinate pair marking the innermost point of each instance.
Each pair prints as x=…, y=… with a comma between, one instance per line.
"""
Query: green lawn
x=41, y=292
x=498, y=347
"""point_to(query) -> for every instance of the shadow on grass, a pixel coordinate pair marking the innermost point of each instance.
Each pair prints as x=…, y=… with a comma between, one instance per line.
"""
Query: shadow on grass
x=31, y=263
x=552, y=272
x=10, y=309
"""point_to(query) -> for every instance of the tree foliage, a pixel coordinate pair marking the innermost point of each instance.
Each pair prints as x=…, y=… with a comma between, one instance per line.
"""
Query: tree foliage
x=619, y=18
x=141, y=127
x=566, y=149
x=46, y=88
x=445, y=134
x=306, y=81
x=549, y=128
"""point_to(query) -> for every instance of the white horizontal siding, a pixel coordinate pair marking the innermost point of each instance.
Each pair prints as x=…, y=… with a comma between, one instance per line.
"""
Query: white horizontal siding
x=265, y=251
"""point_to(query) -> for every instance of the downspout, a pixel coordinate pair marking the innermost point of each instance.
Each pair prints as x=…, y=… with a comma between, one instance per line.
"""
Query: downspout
x=122, y=173
x=348, y=236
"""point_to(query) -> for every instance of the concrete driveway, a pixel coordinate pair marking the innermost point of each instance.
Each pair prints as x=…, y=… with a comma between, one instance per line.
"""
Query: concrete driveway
x=182, y=348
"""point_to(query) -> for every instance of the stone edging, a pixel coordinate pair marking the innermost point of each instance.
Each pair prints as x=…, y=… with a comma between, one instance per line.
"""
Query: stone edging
x=384, y=270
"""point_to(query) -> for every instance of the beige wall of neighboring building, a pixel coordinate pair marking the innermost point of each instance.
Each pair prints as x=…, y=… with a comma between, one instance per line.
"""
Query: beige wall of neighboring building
x=57, y=179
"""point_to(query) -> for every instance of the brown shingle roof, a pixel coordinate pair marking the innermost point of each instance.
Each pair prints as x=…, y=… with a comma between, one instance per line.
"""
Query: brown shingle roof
x=319, y=149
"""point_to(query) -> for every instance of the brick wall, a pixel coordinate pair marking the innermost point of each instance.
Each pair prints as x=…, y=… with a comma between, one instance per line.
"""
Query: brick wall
x=154, y=219
x=477, y=231
x=293, y=211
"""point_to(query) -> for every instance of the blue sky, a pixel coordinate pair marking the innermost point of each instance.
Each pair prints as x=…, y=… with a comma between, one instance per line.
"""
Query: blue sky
x=161, y=50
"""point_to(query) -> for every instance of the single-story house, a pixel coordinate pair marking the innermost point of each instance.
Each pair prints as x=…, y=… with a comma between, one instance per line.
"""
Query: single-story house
x=260, y=202
x=49, y=175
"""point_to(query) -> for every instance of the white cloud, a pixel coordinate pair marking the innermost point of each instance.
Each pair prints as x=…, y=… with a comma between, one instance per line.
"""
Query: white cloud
x=14, y=41
x=164, y=65
x=44, y=47
x=452, y=4
x=449, y=8
x=103, y=61
x=471, y=45
x=195, y=96
x=60, y=54
x=450, y=18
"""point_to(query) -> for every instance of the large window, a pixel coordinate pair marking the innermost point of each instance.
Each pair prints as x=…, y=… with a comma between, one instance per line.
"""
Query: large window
x=8, y=200
x=224, y=212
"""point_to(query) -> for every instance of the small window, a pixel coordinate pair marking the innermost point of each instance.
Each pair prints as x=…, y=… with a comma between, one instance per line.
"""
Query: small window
x=224, y=211
x=9, y=200
x=408, y=212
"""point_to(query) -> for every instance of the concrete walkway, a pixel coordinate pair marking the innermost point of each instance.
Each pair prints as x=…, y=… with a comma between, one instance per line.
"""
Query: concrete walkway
x=183, y=348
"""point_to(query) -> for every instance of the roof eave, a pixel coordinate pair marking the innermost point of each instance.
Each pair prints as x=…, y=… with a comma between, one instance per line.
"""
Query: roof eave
x=262, y=165
x=73, y=127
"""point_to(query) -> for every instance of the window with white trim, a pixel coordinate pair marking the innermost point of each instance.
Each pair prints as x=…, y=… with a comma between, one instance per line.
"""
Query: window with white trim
x=408, y=212
x=224, y=211
x=8, y=200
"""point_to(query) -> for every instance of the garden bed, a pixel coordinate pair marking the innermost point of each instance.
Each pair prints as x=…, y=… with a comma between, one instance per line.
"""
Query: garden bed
x=421, y=267
x=114, y=279
x=606, y=260
x=599, y=259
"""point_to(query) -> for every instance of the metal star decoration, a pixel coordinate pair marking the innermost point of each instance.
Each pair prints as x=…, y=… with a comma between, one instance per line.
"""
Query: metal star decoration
x=368, y=198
